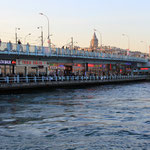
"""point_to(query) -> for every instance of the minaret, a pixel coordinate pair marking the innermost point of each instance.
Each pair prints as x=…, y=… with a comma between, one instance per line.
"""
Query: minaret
x=94, y=42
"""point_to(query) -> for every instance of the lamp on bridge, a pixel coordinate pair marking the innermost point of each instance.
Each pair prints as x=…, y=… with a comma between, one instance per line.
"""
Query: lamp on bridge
x=145, y=44
x=26, y=37
x=40, y=27
x=16, y=29
x=48, y=38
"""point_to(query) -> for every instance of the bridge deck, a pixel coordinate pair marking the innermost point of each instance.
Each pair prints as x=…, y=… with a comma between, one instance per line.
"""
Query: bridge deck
x=26, y=50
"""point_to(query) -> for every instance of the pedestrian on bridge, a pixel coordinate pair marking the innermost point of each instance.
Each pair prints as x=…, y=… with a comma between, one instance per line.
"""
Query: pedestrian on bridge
x=21, y=48
x=10, y=44
x=19, y=42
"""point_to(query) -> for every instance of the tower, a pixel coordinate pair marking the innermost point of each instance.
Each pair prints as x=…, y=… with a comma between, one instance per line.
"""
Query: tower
x=94, y=42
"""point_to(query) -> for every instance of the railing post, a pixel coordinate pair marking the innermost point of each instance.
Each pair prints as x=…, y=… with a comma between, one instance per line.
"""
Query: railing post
x=18, y=79
x=42, y=78
x=57, y=51
x=27, y=79
x=14, y=79
x=62, y=51
x=97, y=77
x=35, y=50
x=83, y=53
x=8, y=47
x=82, y=78
x=49, y=78
x=7, y=79
x=43, y=51
x=62, y=78
x=56, y=78
x=27, y=49
x=93, y=77
x=35, y=79
x=94, y=54
x=90, y=78
x=50, y=51
x=18, y=48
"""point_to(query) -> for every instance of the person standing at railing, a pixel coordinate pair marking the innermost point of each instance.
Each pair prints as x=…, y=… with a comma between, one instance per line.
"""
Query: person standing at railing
x=20, y=45
x=0, y=42
x=19, y=42
x=10, y=45
x=28, y=44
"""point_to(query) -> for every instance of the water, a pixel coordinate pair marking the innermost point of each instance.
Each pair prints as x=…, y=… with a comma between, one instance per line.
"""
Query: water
x=92, y=118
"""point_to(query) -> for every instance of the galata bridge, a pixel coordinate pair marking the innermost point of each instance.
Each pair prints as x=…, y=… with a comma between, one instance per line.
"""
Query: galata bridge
x=27, y=66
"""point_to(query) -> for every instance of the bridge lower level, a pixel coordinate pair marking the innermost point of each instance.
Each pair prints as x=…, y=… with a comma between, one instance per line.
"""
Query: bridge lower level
x=22, y=83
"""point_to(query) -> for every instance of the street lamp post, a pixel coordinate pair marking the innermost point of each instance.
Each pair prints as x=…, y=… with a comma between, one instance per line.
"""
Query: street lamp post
x=48, y=37
x=26, y=37
x=145, y=45
x=16, y=34
x=41, y=35
x=71, y=42
x=128, y=40
x=100, y=37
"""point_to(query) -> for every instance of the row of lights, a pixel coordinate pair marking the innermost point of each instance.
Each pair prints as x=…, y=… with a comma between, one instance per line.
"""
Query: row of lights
x=122, y=35
x=48, y=37
x=129, y=41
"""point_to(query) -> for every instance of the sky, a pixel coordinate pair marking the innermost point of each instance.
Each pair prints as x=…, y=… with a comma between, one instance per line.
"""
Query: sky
x=77, y=19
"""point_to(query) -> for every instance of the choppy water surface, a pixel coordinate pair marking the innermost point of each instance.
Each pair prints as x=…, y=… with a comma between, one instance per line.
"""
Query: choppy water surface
x=94, y=118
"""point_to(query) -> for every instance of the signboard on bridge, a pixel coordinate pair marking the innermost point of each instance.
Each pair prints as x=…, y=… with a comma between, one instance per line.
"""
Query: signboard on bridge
x=7, y=62
x=32, y=63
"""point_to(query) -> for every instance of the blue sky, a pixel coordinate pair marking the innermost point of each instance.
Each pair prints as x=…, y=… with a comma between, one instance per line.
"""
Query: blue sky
x=78, y=18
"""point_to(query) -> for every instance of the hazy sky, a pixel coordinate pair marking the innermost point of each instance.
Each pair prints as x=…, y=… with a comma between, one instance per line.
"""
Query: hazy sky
x=78, y=18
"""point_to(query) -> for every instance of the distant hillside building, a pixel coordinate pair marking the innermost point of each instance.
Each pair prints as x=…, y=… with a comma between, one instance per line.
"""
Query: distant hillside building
x=94, y=42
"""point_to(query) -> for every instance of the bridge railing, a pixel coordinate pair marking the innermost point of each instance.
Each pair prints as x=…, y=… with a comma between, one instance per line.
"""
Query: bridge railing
x=10, y=48
x=28, y=79
x=3, y=47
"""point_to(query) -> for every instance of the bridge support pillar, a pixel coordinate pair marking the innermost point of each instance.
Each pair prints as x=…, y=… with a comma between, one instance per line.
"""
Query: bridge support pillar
x=10, y=69
x=26, y=70
x=13, y=70
x=46, y=70
x=37, y=71
x=5, y=70
x=86, y=68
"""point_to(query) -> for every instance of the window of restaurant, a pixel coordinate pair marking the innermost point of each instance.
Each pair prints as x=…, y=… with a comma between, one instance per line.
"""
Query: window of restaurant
x=31, y=67
x=7, y=67
x=95, y=69
x=56, y=69
x=126, y=68
x=79, y=69
x=68, y=70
